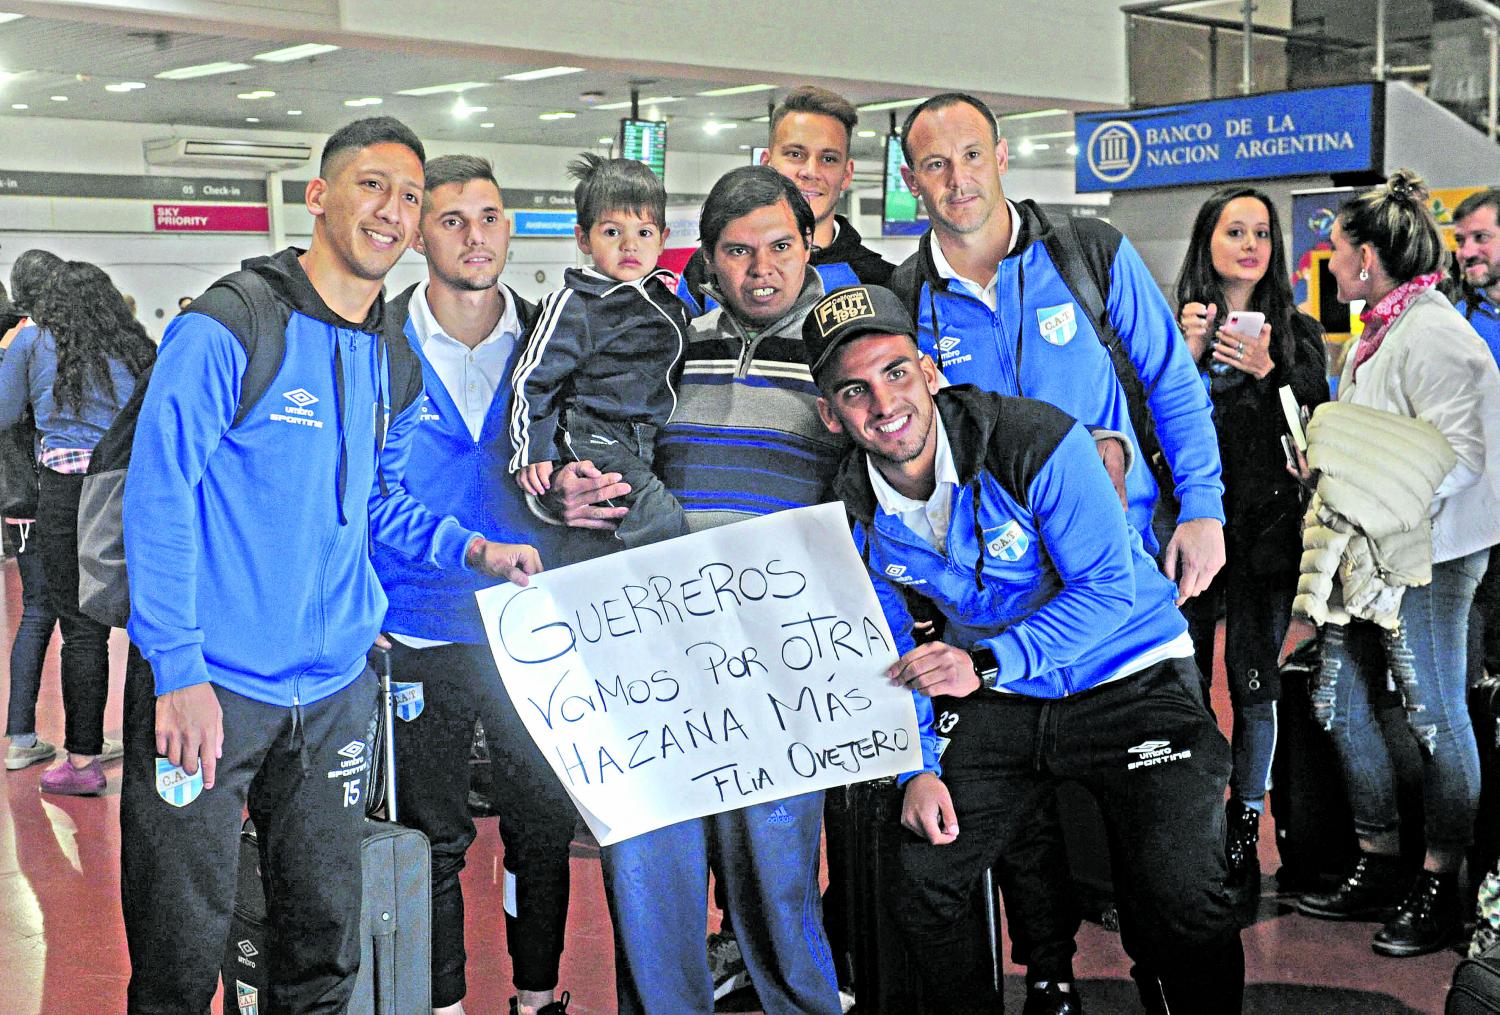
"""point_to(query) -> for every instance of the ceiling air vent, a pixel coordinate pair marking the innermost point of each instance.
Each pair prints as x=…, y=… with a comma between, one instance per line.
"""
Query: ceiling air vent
x=262, y=155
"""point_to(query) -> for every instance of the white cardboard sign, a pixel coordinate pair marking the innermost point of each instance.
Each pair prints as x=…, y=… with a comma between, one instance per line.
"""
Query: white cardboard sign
x=729, y=667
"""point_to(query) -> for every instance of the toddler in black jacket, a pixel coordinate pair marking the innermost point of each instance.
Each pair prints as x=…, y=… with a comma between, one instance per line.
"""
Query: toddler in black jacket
x=596, y=380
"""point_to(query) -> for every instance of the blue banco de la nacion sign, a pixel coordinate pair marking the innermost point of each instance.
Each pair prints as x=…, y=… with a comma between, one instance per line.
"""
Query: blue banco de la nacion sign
x=1306, y=133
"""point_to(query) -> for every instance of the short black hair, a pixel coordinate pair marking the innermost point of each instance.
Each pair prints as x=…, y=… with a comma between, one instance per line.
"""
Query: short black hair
x=372, y=130
x=446, y=169
x=943, y=101
x=606, y=185
x=741, y=191
x=1487, y=198
x=31, y=273
x=821, y=101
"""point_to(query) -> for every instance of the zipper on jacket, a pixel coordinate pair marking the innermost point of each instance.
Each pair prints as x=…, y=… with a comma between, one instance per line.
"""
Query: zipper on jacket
x=1004, y=360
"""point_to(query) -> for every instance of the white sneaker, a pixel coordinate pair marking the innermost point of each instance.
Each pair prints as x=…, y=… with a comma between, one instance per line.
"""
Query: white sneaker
x=17, y=758
x=113, y=750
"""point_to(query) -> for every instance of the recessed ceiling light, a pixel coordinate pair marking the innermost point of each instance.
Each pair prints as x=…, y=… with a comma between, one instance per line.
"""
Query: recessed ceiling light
x=738, y=90
x=19, y=105
x=125, y=86
x=656, y=101
x=876, y=107
x=606, y=140
x=7, y=76
x=762, y=119
x=545, y=72
x=59, y=98
x=252, y=119
x=456, y=86
x=869, y=133
x=294, y=112
x=259, y=93
x=202, y=70
x=463, y=110
x=561, y=114
x=747, y=147
x=10, y=17
x=486, y=126
x=716, y=127
x=1072, y=149
x=301, y=52
x=369, y=100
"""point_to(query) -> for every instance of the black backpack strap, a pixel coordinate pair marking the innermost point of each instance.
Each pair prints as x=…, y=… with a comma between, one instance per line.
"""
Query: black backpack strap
x=405, y=368
x=906, y=283
x=1066, y=249
x=245, y=304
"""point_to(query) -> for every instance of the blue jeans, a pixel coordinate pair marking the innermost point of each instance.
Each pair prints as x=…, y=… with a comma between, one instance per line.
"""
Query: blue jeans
x=1435, y=625
x=33, y=633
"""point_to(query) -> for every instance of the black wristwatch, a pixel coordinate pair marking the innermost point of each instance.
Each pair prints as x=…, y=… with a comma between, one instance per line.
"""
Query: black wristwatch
x=985, y=667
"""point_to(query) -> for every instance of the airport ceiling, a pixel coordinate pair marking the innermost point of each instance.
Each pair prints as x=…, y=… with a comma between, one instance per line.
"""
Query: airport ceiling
x=93, y=71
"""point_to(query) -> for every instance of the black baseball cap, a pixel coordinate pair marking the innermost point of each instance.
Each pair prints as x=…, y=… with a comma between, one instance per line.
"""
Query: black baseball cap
x=852, y=312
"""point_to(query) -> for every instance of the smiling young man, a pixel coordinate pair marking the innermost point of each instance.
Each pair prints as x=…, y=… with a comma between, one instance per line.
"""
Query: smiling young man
x=248, y=530
x=466, y=327
x=812, y=131
x=1063, y=657
x=1476, y=233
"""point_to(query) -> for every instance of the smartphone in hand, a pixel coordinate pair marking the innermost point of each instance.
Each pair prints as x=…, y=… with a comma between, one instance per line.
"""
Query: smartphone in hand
x=1245, y=322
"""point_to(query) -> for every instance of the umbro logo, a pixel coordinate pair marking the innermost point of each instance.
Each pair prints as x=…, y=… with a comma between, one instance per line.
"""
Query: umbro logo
x=300, y=397
x=948, y=343
x=1155, y=752
x=353, y=749
x=895, y=570
x=247, y=949
x=1150, y=746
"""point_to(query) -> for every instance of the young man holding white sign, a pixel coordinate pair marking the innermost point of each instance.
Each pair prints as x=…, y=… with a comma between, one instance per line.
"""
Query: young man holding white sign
x=745, y=441
x=1063, y=658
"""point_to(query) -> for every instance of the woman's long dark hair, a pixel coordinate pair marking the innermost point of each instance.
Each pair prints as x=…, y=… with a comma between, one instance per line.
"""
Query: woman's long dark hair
x=91, y=325
x=1272, y=296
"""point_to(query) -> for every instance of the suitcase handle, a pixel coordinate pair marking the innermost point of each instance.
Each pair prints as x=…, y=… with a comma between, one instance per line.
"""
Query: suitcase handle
x=380, y=661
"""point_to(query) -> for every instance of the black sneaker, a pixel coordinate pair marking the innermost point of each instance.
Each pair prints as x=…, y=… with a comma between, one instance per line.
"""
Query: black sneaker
x=1049, y=999
x=558, y=1007
x=1244, y=859
x=1370, y=892
x=1428, y=920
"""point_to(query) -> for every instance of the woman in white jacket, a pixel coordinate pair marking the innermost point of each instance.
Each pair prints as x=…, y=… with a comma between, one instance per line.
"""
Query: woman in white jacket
x=1417, y=357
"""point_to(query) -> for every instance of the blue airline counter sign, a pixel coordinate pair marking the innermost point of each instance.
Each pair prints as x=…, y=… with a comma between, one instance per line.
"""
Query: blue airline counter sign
x=1305, y=133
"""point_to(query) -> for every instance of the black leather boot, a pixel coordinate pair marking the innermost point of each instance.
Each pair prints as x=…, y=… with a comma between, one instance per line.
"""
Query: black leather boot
x=1370, y=892
x=1244, y=859
x=1429, y=919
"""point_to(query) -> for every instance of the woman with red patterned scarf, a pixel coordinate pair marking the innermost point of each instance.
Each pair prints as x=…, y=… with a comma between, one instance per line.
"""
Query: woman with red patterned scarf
x=1417, y=357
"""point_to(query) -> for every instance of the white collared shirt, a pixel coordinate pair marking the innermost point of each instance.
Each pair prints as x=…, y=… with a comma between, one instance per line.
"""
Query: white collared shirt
x=983, y=293
x=472, y=376
x=927, y=518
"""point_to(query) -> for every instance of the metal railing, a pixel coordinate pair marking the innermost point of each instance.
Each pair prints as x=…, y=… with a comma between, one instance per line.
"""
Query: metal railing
x=1179, y=53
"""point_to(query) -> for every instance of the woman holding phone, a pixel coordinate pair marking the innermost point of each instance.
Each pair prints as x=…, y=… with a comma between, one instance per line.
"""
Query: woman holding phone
x=1239, y=321
x=1417, y=357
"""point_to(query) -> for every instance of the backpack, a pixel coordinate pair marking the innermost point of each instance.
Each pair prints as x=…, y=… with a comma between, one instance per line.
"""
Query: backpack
x=1088, y=282
x=103, y=584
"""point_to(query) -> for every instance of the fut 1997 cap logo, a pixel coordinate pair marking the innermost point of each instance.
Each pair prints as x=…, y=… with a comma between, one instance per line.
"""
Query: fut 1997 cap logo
x=842, y=307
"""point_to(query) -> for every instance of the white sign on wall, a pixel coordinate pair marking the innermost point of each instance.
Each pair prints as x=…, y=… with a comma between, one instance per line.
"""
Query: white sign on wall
x=729, y=667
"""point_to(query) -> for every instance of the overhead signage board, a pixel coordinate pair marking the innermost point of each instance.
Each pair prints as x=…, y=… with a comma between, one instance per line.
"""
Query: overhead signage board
x=1313, y=132
x=16, y=183
x=210, y=218
x=645, y=141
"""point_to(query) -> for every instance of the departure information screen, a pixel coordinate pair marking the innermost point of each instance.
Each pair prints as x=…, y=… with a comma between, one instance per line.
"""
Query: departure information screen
x=902, y=214
x=645, y=141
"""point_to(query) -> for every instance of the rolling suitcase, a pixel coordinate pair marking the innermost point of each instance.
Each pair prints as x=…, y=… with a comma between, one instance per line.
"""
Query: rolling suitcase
x=885, y=981
x=1476, y=986
x=395, y=965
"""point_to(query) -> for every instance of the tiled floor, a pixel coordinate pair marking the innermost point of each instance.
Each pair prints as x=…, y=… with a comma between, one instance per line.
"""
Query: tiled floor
x=62, y=946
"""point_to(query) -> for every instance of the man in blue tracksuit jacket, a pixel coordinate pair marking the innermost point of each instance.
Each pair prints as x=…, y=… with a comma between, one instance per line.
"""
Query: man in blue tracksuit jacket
x=1063, y=657
x=466, y=327
x=254, y=602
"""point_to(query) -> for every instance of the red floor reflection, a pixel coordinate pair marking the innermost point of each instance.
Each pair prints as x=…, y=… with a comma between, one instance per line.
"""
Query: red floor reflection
x=62, y=943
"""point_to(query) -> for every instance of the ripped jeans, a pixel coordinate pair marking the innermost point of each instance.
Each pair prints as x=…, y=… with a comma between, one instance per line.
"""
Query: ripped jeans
x=1431, y=651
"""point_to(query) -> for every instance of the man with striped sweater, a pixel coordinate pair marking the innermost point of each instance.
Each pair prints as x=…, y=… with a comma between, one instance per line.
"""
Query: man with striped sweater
x=744, y=441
